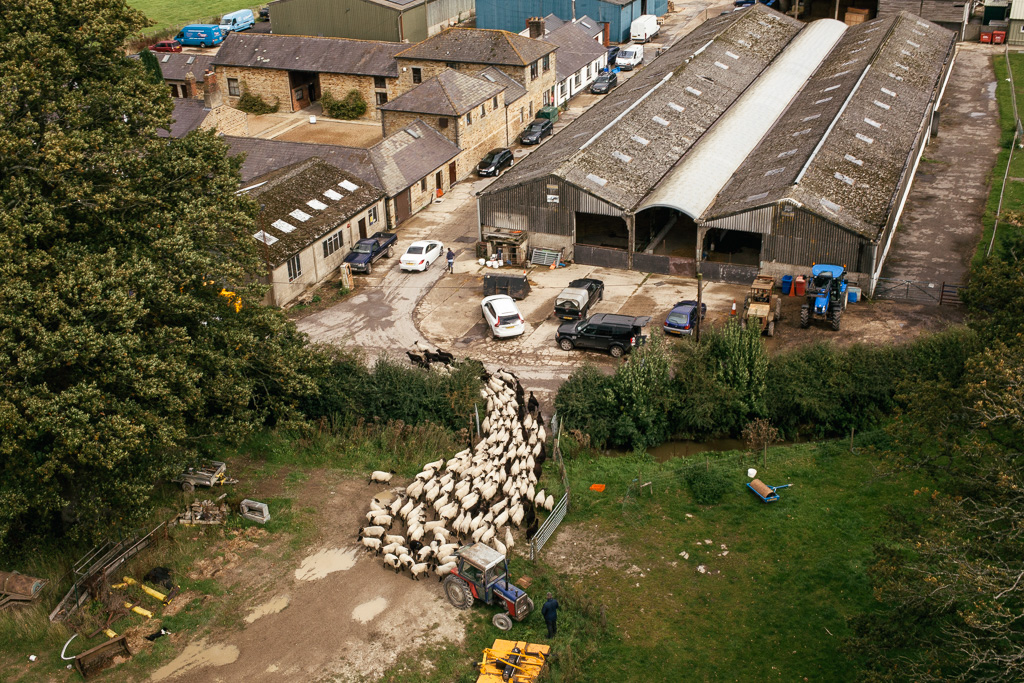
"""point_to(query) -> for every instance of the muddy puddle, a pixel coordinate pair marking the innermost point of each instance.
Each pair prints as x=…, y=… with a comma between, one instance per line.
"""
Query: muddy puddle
x=324, y=562
x=196, y=656
x=272, y=606
x=368, y=610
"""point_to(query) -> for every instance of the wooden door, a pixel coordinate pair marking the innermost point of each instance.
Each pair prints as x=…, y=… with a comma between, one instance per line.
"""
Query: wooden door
x=439, y=182
x=362, y=228
x=453, y=174
x=403, y=207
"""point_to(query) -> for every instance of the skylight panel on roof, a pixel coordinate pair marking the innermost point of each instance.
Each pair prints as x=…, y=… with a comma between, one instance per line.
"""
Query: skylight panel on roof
x=331, y=194
x=166, y=58
x=743, y=43
x=787, y=153
x=854, y=160
x=831, y=207
x=300, y=215
x=191, y=58
x=351, y=187
x=830, y=88
x=873, y=28
x=596, y=179
x=775, y=171
x=642, y=141
x=892, y=75
x=693, y=91
x=265, y=238
x=824, y=100
x=853, y=52
x=841, y=73
x=414, y=133
x=659, y=120
x=283, y=226
x=852, y=61
x=888, y=92
x=811, y=117
x=905, y=53
x=922, y=24
x=675, y=107
x=755, y=197
x=872, y=122
x=916, y=32
x=490, y=78
x=845, y=178
x=913, y=44
x=733, y=55
x=883, y=105
x=901, y=66
x=583, y=21
x=721, y=66
x=865, y=138
x=763, y=23
x=805, y=131
x=622, y=157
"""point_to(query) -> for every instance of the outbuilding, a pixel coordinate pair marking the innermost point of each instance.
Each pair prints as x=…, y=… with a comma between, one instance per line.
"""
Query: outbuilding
x=757, y=144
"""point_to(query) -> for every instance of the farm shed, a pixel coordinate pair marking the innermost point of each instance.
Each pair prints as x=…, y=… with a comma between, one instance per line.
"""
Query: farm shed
x=618, y=14
x=391, y=20
x=755, y=144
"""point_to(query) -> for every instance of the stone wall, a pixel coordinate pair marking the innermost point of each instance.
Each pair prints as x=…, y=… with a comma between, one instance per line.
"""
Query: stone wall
x=227, y=120
x=270, y=84
x=340, y=84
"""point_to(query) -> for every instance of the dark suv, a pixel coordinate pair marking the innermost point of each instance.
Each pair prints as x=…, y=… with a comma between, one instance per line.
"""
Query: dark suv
x=616, y=334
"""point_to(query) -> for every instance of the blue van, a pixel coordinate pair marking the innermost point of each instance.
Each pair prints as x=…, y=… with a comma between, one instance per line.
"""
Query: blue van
x=200, y=35
x=237, y=21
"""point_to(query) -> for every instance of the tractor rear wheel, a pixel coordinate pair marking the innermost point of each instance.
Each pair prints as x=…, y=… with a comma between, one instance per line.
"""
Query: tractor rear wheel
x=805, y=317
x=771, y=328
x=458, y=593
x=502, y=621
x=836, y=315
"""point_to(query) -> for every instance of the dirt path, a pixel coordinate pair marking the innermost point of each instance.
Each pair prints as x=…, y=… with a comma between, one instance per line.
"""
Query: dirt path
x=941, y=223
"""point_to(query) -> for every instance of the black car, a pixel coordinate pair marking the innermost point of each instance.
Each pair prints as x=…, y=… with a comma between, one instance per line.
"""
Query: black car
x=616, y=334
x=265, y=13
x=613, y=52
x=495, y=161
x=604, y=82
x=537, y=131
x=576, y=300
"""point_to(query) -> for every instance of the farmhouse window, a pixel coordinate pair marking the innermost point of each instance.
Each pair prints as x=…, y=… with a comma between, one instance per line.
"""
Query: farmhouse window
x=379, y=82
x=294, y=267
x=332, y=244
x=233, y=87
x=547, y=62
x=382, y=98
x=533, y=70
x=417, y=75
x=442, y=122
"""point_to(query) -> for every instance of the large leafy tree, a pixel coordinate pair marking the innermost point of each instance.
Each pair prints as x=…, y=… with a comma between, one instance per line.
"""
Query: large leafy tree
x=118, y=353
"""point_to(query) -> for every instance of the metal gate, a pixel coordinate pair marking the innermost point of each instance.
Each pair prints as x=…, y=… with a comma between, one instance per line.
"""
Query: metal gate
x=918, y=291
x=589, y=255
x=562, y=508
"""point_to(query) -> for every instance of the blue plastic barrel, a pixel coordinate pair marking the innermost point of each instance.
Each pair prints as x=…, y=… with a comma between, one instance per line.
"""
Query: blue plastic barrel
x=854, y=294
x=787, y=284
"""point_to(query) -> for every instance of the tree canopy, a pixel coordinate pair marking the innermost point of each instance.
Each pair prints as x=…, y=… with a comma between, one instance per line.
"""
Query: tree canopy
x=118, y=353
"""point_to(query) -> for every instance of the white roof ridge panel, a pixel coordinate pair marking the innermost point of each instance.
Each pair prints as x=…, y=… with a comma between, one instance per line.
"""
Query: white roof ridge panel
x=692, y=185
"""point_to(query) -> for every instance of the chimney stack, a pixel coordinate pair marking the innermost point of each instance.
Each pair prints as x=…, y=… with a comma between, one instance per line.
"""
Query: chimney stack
x=536, y=26
x=211, y=90
x=190, y=85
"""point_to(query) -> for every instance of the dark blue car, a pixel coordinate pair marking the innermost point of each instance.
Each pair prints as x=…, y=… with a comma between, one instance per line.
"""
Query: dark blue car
x=681, y=319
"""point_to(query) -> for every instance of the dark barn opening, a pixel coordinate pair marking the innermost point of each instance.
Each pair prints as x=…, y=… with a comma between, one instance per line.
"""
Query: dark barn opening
x=732, y=246
x=601, y=231
x=666, y=231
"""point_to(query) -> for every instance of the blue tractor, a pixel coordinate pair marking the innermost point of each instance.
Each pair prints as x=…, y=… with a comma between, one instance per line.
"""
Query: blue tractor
x=826, y=295
x=481, y=573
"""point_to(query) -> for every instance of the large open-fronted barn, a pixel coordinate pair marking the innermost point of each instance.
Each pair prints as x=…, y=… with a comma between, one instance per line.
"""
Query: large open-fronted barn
x=756, y=144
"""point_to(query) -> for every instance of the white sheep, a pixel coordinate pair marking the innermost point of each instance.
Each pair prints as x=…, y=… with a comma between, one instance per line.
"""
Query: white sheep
x=371, y=532
x=394, y=538
x=383, y=520
x=499, y=546
x=406, y=560
x=509, y=541
x=443, y=570
x=391, y=548
x=414, y=489
x=538, y=500
x=392, y=561
x=372, y=544
x=381, y=477
x=418, y=570
x=549, y=503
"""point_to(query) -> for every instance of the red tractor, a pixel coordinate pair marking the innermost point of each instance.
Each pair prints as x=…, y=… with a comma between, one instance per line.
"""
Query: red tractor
x=481, y=573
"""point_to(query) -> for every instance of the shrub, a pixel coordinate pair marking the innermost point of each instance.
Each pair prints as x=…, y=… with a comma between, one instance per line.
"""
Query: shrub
x=352, y=106
x=251, y=103
x=708, y=484
x=585, y=402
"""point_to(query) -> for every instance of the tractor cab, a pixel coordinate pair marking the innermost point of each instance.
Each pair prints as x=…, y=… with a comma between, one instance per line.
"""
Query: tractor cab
x=481, y=573
x=762, y=307
x=826, y=295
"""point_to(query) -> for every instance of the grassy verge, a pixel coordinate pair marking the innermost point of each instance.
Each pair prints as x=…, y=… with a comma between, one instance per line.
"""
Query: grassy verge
x=1013, y=196
x=168, y=14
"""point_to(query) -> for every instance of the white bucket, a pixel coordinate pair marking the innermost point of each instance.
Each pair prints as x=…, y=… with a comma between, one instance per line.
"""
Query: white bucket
x=751, y=473
x=312, y=119
x=481, y=261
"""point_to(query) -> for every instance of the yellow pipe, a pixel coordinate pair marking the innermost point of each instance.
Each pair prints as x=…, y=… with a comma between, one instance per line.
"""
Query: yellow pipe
x=109, y=633
x=153, y=593
x=138, y=610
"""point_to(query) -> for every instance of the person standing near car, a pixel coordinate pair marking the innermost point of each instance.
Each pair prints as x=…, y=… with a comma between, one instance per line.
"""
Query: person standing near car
x=451, y=260
x=550, y=613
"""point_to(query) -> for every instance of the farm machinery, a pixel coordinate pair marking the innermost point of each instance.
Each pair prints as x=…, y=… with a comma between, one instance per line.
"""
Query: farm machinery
x=826, y=295
x=762, y=307
x=481, y=573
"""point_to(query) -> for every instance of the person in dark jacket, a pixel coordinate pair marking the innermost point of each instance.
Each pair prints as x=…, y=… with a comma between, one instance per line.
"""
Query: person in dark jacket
x=550, y=613
x=451, y=261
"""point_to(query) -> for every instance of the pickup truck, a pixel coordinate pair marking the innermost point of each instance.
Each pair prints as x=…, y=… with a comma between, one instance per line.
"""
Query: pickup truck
x=365, y=252
x=575, y=300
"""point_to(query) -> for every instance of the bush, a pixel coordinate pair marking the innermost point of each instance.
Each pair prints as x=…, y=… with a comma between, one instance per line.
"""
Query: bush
x=708, y=484
x=251, y=103
x=352, y=106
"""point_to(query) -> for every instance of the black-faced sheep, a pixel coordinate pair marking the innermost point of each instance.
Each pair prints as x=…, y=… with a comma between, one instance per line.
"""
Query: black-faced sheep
x=381, y=477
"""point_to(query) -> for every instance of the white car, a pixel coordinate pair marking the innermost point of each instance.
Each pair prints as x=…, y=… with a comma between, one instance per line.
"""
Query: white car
x=421, y=254
x=502, y=316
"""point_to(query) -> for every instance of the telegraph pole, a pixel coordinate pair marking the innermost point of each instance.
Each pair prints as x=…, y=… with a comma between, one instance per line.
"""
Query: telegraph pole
x=700, y=296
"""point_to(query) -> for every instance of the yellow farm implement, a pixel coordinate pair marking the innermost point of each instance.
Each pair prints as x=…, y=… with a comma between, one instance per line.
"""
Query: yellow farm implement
x=509, y=661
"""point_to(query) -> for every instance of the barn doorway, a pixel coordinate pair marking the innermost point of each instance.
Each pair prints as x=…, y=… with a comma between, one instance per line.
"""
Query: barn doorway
x=602, y=231
x=305, y=88
x=732, y=246
x=666, y=231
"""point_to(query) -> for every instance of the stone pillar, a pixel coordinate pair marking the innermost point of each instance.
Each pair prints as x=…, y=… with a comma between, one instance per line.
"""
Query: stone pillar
x=190, y=85
x=211, y=90
x=536, y=26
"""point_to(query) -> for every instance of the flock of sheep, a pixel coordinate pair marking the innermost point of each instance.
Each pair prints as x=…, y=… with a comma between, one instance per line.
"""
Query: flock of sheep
x=477, y=496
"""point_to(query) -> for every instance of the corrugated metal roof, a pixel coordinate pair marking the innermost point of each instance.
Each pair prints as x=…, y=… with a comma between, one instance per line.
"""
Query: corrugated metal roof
x=304, y=53
x=479, y=46
x=692, y=185
x=402, y=158
x=265, y=156
x=1017, y=10
x=450, y=93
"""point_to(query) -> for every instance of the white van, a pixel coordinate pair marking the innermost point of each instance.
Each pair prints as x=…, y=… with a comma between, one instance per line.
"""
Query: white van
x=630, y=57
x=237, y=21
x=643, y=28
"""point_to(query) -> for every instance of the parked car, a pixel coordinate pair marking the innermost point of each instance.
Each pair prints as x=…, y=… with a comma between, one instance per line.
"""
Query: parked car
x=630, y=57
x=682, y=319
x=421, y=255
x=604, y=82
x=537, y=131
x=237, y=21
x=644, y=28
x=264, y=14
x=616, y=334
x=166, y=46
x=200, y=35
x=575, y=301
x=613, y=51
x=749, y=3
x=502, y=316
x=365, y=252
x=496, y=160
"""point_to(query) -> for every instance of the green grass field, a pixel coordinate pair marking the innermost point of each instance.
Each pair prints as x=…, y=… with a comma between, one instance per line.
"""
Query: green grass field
x=176, y=13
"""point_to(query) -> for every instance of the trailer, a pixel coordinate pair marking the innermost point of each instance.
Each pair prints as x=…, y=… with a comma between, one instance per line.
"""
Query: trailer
x=212, y=473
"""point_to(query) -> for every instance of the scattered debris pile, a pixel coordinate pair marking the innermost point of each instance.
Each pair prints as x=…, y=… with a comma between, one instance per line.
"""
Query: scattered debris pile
x=203, y=512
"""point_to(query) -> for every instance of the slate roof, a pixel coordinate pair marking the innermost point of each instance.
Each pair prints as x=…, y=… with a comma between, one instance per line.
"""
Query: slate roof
x=846, y=163
x=187, y=117
x=450, y=93
x=174, y=65
x=284, y=197
x=478, y=46
x=265, y=156
x=654, y=118
x=405, y=157
x=513, y=90
x=304, y=53
x=576, y=49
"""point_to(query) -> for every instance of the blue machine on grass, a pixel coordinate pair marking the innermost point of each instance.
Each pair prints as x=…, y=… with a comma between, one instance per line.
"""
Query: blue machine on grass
x=826, y=295
x=765, y=492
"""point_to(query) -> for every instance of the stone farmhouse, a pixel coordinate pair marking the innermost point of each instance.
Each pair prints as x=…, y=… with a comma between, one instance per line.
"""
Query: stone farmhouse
x=183, y=71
